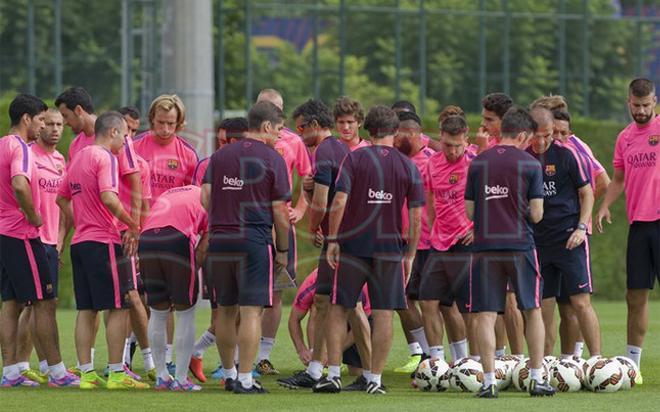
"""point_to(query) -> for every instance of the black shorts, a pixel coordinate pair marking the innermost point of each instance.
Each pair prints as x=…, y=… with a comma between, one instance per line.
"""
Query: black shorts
x=208, y=291
x=288, y=282
x=53, y=260
x=491, y=270
x=412, y=288
x=99, y=281
x=643, y=256
x=384, y=275
x=241, y=271
x=446, y=278
x=565, y=272
x=325, y=275
x=24, y=272
x=167, y=266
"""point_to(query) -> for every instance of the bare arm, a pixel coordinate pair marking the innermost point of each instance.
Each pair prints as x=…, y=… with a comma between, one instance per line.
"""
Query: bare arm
x=23, y=194
x=602, y=181
x=614, y=190
x=64, y=226
x=586, y=195
x=206, y=196
x=535, y=210
x=135, y=184
x=469, y=209
x=430, y=208
x=336, y=215
x=318, y=207
x=297, y=213
x=414, y=230
x=112, y=202
x=295, y=331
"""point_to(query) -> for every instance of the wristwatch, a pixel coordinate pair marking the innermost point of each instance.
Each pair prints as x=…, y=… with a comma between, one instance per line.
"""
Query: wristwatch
x=582, y=226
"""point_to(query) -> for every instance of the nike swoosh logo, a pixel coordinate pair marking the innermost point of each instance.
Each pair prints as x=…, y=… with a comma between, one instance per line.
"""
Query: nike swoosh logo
x=584, y=285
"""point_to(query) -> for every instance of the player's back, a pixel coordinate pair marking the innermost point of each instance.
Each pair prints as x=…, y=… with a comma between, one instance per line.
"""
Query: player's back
x=180, y=208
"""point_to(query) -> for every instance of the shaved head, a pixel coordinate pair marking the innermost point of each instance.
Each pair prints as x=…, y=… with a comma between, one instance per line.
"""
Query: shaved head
x=273, y=96
x=542, y=116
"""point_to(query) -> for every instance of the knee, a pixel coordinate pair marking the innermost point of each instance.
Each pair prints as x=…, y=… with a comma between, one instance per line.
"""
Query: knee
x=581, y=302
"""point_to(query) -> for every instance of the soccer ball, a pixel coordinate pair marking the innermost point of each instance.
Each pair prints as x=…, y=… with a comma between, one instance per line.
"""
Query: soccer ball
x=580, y=361
x=605, y=375
x=522, y=374
x=630, y=371
x=510, y=361
x=550, y=361
x=566, y=376
x=430, y=375
x=585, y=368
x=502, y=375
x=467, y=375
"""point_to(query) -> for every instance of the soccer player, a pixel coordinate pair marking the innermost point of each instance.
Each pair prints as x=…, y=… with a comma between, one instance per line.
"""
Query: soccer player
x=77, y=109
x=168, y=265
x=503, y=196
x=366, y=245
x=561, y=237
x=89, y=197
x=132, y=116
x=637, y=171
x=246, y=190
x=406, y=106
x=349, y=116
x=444, y=278
x=49, y=174
x=408, y=141
x=293, y=150
x=24, y=271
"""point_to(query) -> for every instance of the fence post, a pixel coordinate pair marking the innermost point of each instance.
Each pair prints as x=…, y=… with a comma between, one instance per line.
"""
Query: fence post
x=397, y=51
x=248, y=54
x=482, y=51
x=585, y=58
x=126, y=52
x=342, y=45
x=506, y=44
x=31, y=53
x=422, y=58
x=221, y=59
x=562, y=48
x=640, y=38
x=57, y=34
x=316, y=84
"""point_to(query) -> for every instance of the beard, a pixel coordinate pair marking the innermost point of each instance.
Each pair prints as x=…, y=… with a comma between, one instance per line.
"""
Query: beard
x=643, y=118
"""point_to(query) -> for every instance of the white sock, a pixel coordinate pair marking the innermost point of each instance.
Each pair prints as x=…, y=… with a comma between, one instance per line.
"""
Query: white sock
x=116, y=367
x=265, y=348
x=11, y=372
x=415, y=348
x=236, y=355
x=367, y=375
x=230, y=373
x=579, y=348
x=43, y=366
x=203, y=343
x=91, y=355
x=86, y=367
x=245, y=379
x=376, y=378
x=334, y=371
x=157, y=331
x=519, y=355
x=437, y=352
x=500, y=352
x=57, y=371
x=168, y=353
x=536, y=374
x=315, y=369
x=420, y=336
x=475, y=358
x=127, y=351
x=23, y=366
x=452, y=352
x=489, y=378
x=566, y=356
x=185, y=340
x=461, y=349
x=148, y=359
x=634, y=353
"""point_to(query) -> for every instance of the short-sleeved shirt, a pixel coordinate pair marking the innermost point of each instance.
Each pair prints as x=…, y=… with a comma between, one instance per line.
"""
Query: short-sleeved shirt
x=92, y=171
x=592, y=165
x=245, y=178
x=378, y=180
x=304, y=299
x=637, y=153
x=50, y=168
x=80, y=142
x=360, y=145
x=326, y=162
x=291, y=147
x=501, y=182
x=447, y=182
x=16, y=159
x=200, y=171
x=563, y=175
x=126, y=156
x=420, y=160
x=172, y=164
x=180, y=208
x=125, y=189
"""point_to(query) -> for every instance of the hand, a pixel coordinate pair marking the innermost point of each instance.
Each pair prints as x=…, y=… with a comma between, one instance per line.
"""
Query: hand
x=407, y=266
x=295, y=215
x=576, y=239
x=305, y=356
x=319, y=238
x=281, y=261
x=200, y=257
x=468, y=238
x=482, y=137
x=130, y=242
x=603, y=212
x=35, y=220
x=308, y=183
x=332, y=254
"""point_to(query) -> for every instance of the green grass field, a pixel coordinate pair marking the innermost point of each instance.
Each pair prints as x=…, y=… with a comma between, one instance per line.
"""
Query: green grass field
x=401, y=395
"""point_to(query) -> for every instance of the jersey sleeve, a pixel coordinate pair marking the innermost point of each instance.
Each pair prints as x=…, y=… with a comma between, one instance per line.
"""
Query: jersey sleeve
x=617, y=160
x=345, y=175
x=324, y=165
x=21, y=160
x=303, y=164
x=65, y=189
x=576, y=172
x=208, y=174
x=535, y=175
x=415, y=196
x=192, y=161
x=200, y=169
x=280, y=189
x=127, y=159
x=107, y=175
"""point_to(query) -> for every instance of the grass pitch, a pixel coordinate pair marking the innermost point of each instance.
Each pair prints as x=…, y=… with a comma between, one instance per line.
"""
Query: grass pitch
x=401, y=395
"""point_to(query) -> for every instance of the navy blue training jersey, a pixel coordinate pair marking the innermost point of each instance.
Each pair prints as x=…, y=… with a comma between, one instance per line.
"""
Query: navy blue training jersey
x=326, y=161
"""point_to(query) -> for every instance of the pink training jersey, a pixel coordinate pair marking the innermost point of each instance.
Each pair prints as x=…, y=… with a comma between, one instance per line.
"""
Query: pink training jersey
x=80, y=142
x=592, y=165
x=172, y=165
x=291, y=147
x=126, y=156
x=125, y=189
x=304, y=299
x=49, y=169
x=180, y=208
x=200, y=171
x=447, y=183
x=425, y=139
x=420, y=160
x=16, y=159
x=92, y=171
x=637, y=153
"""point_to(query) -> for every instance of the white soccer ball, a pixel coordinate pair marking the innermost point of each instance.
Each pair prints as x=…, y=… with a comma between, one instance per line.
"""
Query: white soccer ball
x=430, y=375
x=605, y=375
x=585, y=368
x=510, y=361
x=566, y=376
x=630, y=371
x=502, y=375
x=550, y=361
x=467, y=375
x=522, y=374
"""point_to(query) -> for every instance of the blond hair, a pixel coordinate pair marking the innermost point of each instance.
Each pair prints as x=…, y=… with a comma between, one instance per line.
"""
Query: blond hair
x=167, y=102
x=552, y=103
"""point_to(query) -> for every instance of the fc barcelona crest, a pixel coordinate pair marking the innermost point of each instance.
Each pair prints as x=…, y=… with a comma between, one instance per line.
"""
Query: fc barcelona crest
x=653, y=140
x=550, y=170
x=453, y=178
x=173, y=164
